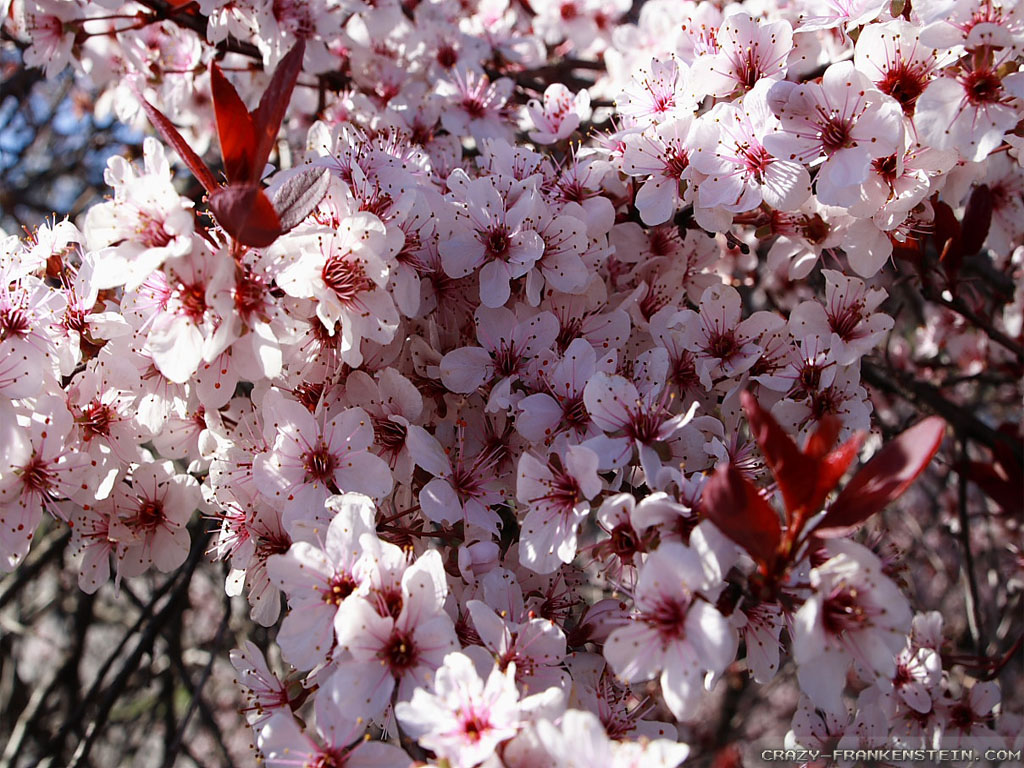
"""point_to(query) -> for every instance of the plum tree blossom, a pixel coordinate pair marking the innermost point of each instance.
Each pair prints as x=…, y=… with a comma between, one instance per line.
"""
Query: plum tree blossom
x=512, y=384
x=465, y=716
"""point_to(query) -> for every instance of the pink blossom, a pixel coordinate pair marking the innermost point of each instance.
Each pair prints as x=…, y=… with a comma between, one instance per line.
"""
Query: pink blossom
x=150, y=517
x=844, y=120
x=388, y=652
x=748, y=50
x=466, y=716
x=853, y=612
x=318, y=578
x=314, y=457
x=559, y=114
x=674, y=632
x=554, y=493
x=499, y=241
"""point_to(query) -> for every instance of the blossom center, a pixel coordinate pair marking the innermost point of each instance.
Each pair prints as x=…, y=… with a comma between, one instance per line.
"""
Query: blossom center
x=14, y=322
x=250, y=293
x=506, y=359
x=96, y=420
x=474, y=107
x=308, y=393
x=982, y=86
x=722, y=344
x=37, y=475
x=844, y=322
x=498, y=243
x=624, y=542
x=904, y=83
x=575, y=413
x=399, y=653
x=193, y=300
x=835, y=134
x=475, y=725
x=150, y=514
x=756, y=159
x=447, y=56
x=345, y=277
x=886, y=168
x=151, y=232
x=844, y=612
x=338, y=588
x=676, y=164
x=320, y=464
x=390, y=435
x=668, y=617
x=644, y=425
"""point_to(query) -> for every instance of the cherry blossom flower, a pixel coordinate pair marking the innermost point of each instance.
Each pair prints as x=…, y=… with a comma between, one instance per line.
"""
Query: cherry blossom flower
x=657, y=92
x=581, y=739
x=282, y=742
x=48, y=26
x=674, y=632
x=740, y=172
x=971, y=111
x=463, y=487
x=853, y=612
x=346, y=272
x=466, y=716
x=531, y=648
x=476, y=106
x=497, y=240
x=145, y=224
x=844, y=120
x=835, y=13
x=617, y=406
x=313, y=457
x=848, y=317
x=662, y=155
x=892, y=55
x=266, y=693
x=388, y=653
x=559, y=114
x=318, y=578
x=561, y=408
x=723, y=345
x=554, y=493
x=40, y=467
x=508, y=344
x=748, y=51
x=150, y=517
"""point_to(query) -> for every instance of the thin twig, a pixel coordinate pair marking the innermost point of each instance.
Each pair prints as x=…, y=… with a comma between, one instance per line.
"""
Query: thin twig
x=156, y=624
x=972, y=603
x=197, y=689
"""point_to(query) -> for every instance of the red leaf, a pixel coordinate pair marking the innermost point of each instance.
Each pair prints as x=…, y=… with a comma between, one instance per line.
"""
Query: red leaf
x=883, y=479
x=739, y=511
x=236, y=131
x=1005, y=490
x=947, y=235
x=246, y=214
x=274, y=103
x=824, y=437
x=794, y=472
x=832, y=468
x=170, y=134
x=977, y=220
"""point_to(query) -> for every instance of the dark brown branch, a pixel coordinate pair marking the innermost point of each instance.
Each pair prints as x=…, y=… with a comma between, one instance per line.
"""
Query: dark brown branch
x=928, y=396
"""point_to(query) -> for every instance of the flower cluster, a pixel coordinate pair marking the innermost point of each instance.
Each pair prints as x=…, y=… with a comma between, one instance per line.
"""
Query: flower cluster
x=528, y=381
